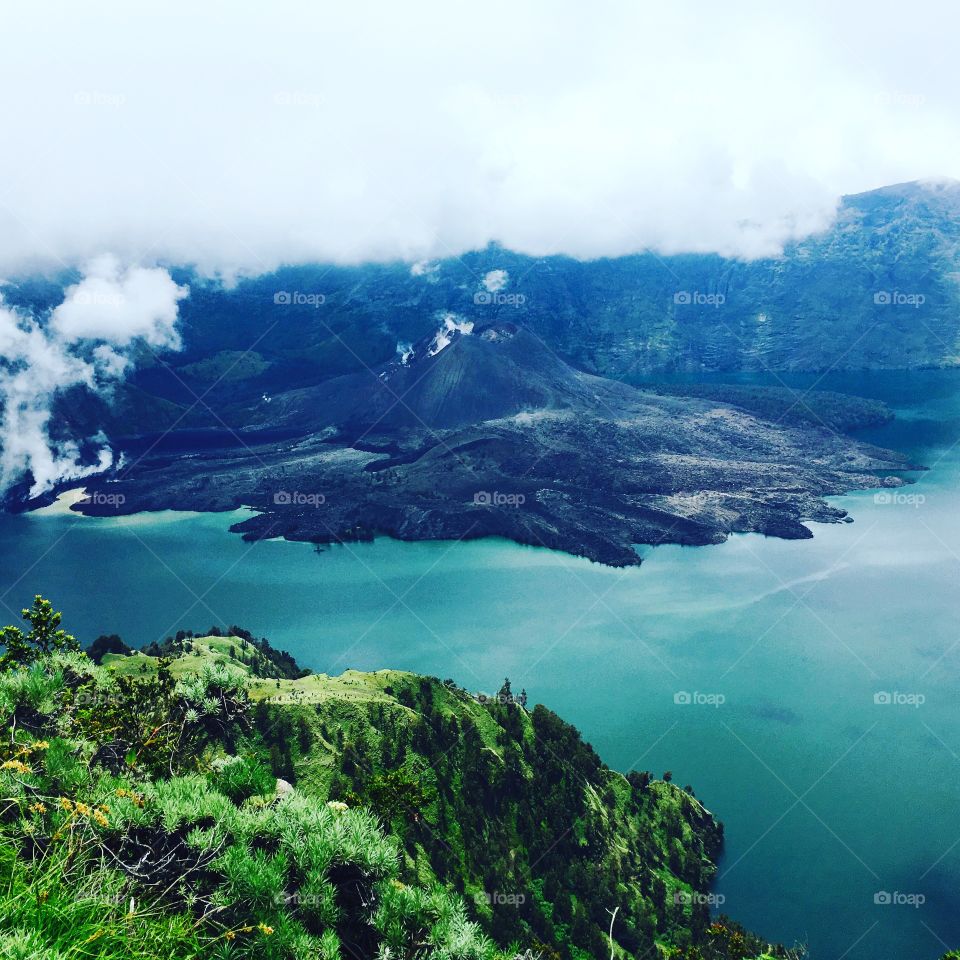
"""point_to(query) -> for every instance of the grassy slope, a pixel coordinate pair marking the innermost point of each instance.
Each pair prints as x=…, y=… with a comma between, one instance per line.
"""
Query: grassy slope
x=496, y=802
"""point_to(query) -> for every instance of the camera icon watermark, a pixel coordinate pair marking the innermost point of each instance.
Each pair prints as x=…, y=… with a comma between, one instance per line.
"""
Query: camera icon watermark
x=888, y=497
x=494, y=498
x=92, y=298
x=296, y=498
x=498, y=299
x=690, y=897
x=897, y=298
x=895, y=698
x=298, y=98
x=100, y=499
x=497, y=898
x=896, y=898
x=685, y=698
x=899, y=98
x=95, y=98
x=695, y=298
x=298, y=299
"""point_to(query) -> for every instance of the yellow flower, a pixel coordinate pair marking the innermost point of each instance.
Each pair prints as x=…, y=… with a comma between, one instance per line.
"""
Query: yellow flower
x=40, y=808
x=230, y=935
x=264, y=929
x=83, y=809
x=67, y=804
x=101, y=819
x=17, y=765
x=41, y=745
x=337, y=805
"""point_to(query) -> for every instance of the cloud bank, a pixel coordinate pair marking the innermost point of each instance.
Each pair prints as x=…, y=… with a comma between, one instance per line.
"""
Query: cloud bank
x=240, y=136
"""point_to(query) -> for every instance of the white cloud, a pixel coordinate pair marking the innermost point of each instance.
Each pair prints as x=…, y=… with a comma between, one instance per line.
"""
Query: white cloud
x=242, y=136
x=120, y=306
x=108, y=312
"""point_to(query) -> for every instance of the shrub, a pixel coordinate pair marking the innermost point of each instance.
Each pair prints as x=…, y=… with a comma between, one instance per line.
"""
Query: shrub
x=242, y=778
x=45, y=635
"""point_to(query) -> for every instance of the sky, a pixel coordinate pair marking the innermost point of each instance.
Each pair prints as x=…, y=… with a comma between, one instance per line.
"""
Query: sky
x=239, y=136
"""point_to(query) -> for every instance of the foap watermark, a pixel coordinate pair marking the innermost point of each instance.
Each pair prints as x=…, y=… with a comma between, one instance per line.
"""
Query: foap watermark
x=896, y=698
x=695, y=897
x=97, y=98
x=685, y=698
x=296, y=298
x=93, y=298
x=504, y=699
x=896, y=898
x=497, y=898
x=297, y=498
x=298, y=98
x=298, y=899
x=485, y=298
x=100, y=499
x=898, y=298
x=899, y=98
x=89, y=697
x=494, y=498
x=900, y=499
x=694, y=298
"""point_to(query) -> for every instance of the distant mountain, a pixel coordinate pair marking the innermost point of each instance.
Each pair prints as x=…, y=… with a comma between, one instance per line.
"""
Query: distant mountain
x=879, y=289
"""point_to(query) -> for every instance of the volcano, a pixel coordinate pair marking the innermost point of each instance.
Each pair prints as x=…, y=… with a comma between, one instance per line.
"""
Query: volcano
x=479, y=432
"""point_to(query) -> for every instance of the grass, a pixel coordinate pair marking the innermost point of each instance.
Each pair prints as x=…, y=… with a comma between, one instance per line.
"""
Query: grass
x=52, y=911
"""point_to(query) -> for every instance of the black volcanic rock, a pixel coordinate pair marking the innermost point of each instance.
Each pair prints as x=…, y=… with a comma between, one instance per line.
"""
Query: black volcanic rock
x=491, y=373
x=493, y=435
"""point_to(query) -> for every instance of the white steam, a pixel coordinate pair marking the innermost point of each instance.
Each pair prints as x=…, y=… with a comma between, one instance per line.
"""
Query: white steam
x=89, y=340
x=451, y=326
x=495, y=280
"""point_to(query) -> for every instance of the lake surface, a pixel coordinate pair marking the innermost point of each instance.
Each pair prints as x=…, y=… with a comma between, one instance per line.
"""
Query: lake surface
x=832, y=801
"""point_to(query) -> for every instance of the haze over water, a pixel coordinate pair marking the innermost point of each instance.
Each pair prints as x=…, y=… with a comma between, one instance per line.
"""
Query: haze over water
x=831, y=799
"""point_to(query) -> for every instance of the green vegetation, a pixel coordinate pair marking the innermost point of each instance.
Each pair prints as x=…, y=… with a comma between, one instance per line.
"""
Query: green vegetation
x=141, y=815
x=227, y=365
x=238, y=646
x=802, y=408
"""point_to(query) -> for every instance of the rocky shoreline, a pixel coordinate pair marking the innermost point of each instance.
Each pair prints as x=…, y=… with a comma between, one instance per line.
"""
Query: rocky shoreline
x=561, y=459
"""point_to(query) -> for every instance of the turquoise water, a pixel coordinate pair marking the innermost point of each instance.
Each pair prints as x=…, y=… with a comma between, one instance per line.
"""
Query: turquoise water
x=828, y=797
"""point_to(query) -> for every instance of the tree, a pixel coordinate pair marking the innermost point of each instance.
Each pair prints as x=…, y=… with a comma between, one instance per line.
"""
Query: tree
x=45, y=636
x=107, y=643
x=639, y=780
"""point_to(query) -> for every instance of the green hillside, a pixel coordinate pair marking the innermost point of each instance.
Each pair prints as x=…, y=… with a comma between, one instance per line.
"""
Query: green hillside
x=143, y=816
